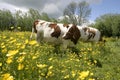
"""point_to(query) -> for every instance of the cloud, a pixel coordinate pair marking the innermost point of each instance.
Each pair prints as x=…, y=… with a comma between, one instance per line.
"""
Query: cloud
x=53, y=8
x=12, y=8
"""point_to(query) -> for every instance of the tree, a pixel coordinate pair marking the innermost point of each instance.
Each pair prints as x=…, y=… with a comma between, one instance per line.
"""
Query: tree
x=109, y=24
x=78, y=13
x=83, y=11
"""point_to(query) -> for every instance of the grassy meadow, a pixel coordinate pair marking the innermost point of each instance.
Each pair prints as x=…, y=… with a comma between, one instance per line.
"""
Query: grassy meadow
x=24, y=59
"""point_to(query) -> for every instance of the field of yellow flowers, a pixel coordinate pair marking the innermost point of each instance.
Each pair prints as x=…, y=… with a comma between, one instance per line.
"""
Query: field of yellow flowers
x=24, y=59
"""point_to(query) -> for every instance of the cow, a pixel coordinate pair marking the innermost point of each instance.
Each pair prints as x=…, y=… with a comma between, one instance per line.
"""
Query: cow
x=74, y=33
x=51, y=32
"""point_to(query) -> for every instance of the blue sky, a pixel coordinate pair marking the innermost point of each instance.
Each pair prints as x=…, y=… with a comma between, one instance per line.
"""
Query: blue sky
x=55, y=8
x=104, y=7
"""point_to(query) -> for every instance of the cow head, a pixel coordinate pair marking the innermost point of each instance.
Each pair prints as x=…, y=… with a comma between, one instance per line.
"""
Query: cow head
x=72, y=34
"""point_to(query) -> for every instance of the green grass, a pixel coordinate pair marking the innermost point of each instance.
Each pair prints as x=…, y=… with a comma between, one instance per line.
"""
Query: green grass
x=22, y=59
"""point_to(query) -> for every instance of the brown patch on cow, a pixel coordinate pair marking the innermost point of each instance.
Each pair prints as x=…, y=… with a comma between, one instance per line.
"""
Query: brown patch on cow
x=57, y=30
x=34, y=25
x=73, y=34
x=66, y=25
x=92, y=33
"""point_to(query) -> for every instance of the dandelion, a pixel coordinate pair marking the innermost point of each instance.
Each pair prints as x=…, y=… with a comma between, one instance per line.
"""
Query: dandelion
x=83, y=75
x=9, y=60
x=22, y=53
x=7, y=76
x=20, y=66
x=41, y=66
x=21, y=59
x=91, y=79
x=67, y=76
x=34, y=57
x=23, y=46
x=4, y=37
x=49, y=73
x=32, y=42
x=12, y=27
x=0, y=64
x=50, y=59
x=73, y=73
x=3, y=46
x=19, y=28
x=26, y=41
x=51, y=67
x=12, y=52
x=4, y=50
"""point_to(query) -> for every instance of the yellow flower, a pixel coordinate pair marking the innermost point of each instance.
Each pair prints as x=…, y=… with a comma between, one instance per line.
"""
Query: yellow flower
x=67, y=76
x=35, y=57
x=23, y=46
x=4, y=50
x=41, y=66
x=13, y=41
x=9, y=60
x=20, y=66
x=91, y=79
x=0, y=64
x=33, y=42
x=12, y=52
x=21, y=59
x=49, y=73
x=83, y=74
x=73, y=73
x=50, y=59
x=51, y=67
x=26, y=41
x=3, y=46
x=7, y=76
x=4, y=37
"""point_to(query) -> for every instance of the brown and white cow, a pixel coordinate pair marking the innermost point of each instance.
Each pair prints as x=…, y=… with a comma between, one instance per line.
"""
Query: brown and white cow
x=75, y=33
x=51, y=32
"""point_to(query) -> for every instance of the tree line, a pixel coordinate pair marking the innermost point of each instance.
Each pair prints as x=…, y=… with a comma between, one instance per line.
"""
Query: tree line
x=75, y=13
x=108, y=24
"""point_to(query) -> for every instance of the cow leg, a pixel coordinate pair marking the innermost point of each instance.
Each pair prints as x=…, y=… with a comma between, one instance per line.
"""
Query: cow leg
x=32, y=33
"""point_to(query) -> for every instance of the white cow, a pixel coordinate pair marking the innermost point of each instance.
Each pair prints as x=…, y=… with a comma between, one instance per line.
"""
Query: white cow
x=51, y=32
x=74, y=33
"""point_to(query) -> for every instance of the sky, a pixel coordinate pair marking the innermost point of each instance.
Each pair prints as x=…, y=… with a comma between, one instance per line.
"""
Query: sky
x=55, y=8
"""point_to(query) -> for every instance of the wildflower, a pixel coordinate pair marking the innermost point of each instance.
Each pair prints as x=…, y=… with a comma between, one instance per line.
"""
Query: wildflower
x=73, y=73
x=19, y=28
x=12, y=27
x=51, y=67
x=34, y=57
x=4, y=50
x=20, y=66
x=41, y=66
x=83, y=74
x=3, y=46
x=23, y=46
x=9, y=60
x=4, y=37
x=50, y=59
x=13, y=41
x=0, y=64
x=23, y=53
x=32, y=42
x=21, y=59
x=95, y=61
x=26, y=41
x=91, y=79
x=67, y=76
x=12, y=52
x=49, y=73
x=7, y=76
